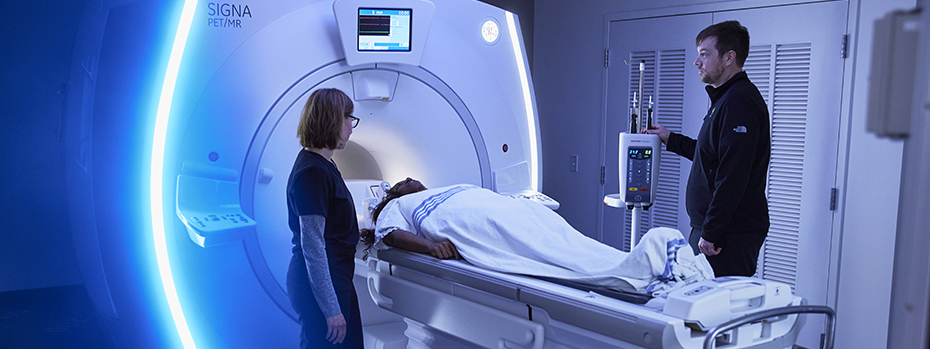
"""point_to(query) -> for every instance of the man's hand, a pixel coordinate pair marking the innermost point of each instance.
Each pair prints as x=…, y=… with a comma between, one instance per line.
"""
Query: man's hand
x=658, y=130
x=708, y=248
x=444, y=250
x=336, y=328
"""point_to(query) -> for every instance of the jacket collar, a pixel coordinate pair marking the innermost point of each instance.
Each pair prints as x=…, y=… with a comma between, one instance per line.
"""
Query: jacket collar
x=716, y=93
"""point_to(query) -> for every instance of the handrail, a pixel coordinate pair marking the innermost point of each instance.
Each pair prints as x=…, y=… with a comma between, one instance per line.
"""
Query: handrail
x=710, y=342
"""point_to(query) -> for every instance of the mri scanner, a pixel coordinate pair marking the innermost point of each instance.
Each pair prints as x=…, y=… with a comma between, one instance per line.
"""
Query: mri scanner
x=444, y=95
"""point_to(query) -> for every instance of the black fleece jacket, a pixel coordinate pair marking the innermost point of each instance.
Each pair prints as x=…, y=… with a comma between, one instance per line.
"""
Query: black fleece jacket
x=726, y=188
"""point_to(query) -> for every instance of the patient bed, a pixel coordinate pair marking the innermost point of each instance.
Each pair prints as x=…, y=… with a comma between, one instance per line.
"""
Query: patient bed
x=493, y=309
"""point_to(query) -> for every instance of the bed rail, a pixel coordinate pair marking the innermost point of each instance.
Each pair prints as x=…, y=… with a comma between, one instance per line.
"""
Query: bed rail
x=710, y=339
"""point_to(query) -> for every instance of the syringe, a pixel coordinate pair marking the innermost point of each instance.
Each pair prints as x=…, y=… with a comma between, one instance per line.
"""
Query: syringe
x=633, y=116
x=649, y=119
x=639, y=112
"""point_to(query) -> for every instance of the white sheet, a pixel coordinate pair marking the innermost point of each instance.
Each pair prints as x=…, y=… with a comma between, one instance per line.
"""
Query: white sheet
x=523, y=237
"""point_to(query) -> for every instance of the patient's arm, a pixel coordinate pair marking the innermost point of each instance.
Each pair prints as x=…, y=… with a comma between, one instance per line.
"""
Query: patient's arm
x=406, y=240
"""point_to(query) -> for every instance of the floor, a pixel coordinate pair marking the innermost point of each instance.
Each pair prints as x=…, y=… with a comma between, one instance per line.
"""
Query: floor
x=56, y=317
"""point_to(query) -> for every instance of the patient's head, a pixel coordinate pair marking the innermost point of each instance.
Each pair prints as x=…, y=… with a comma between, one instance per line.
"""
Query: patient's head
x=399, y=189
x=407, y=186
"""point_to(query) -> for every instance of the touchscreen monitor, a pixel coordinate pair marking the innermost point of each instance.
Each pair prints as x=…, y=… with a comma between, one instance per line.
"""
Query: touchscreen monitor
x=382, y=29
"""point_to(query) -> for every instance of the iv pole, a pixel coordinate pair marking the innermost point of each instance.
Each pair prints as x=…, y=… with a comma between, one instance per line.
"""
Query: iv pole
x=637, y=202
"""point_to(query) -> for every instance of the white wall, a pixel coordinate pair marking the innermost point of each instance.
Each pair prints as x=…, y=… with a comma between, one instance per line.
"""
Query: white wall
x=910, y=295
x=568, y=76
x=868, y=221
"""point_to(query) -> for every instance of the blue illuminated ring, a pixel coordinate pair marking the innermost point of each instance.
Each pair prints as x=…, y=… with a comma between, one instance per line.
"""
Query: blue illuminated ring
x=158, y=156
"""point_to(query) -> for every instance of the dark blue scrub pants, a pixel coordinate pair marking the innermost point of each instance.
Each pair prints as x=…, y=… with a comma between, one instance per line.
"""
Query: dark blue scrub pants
x=312, y=322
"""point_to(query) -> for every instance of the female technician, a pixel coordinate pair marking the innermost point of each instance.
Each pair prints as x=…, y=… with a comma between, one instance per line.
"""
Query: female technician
x=321, y=215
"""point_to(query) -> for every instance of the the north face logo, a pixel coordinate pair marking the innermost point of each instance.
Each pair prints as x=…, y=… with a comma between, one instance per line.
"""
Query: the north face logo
x=739, y=129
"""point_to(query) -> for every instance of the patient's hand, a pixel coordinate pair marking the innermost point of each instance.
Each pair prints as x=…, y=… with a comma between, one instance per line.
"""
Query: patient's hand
x=411, y=242
x=444, y=250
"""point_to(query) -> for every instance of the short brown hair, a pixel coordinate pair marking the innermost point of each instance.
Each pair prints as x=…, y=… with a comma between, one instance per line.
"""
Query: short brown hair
x=322, y=117
x=730, y=36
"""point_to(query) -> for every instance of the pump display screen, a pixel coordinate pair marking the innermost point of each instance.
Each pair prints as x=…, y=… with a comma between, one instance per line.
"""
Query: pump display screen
x=381, y=29
x=640, y=153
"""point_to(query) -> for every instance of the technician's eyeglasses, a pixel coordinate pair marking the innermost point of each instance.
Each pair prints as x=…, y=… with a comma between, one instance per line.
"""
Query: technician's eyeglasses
x=354, y=120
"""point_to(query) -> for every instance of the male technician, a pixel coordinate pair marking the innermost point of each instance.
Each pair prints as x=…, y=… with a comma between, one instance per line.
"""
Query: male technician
x=726, y=189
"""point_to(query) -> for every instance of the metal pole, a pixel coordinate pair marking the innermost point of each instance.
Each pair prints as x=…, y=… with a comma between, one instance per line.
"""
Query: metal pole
x=637, y=211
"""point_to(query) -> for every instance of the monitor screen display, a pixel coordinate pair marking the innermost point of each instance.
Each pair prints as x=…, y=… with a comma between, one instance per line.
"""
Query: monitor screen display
x=382, y=29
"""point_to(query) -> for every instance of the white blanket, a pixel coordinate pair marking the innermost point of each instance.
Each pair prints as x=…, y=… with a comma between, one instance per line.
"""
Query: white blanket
x=523, y=237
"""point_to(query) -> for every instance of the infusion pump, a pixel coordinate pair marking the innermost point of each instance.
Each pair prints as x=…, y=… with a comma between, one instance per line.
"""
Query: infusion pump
x=639, y=156
x=639, y=173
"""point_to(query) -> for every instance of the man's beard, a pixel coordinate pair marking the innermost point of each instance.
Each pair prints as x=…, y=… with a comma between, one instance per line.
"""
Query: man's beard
x=709, y=77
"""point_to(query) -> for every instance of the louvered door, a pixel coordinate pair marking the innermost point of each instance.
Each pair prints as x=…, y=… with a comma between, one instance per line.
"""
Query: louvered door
x=671, y=70
x=787, y=68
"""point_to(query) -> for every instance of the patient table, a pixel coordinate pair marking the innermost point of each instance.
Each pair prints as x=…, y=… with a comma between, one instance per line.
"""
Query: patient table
x=493, y=309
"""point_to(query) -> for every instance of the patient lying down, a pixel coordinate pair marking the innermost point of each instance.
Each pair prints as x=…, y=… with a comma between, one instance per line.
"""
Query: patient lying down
x=523, y=237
